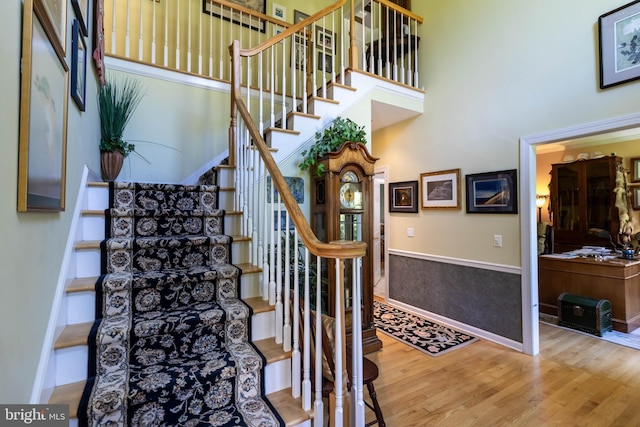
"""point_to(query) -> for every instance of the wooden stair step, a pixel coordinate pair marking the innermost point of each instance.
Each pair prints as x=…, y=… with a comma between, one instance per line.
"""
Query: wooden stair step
x=93, y=212
x=82, y=284
x=73, y=335
x=248, y=268
x=258, y=305
x=87, y=244
x=68, y=394
x=289, y=408
x=271, y=350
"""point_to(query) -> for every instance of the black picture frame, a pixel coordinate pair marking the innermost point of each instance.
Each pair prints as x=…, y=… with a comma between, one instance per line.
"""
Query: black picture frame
x=211, y=7
x=492, y=192
x=81, y=9
x=403, y=196
x=78, y=66
x=619, y=51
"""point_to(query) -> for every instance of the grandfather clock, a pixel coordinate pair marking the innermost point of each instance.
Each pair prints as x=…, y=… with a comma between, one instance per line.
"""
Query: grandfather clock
x=342, y=209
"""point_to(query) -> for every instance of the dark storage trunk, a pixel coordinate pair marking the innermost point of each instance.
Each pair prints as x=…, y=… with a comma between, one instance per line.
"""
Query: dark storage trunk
x=584, y=313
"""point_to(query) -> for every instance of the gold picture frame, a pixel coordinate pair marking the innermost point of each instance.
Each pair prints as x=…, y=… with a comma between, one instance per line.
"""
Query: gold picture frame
x=53, y=17
x=441, y=189
x=44, y=98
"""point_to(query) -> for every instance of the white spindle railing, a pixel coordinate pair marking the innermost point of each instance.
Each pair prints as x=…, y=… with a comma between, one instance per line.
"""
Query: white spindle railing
x=186, y=36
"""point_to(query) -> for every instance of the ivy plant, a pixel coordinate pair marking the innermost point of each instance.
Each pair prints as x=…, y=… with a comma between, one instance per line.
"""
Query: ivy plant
x=331, y=139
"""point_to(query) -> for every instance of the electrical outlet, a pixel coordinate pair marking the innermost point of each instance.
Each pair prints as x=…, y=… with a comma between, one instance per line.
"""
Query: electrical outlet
x=497, y=240
x=410, y=232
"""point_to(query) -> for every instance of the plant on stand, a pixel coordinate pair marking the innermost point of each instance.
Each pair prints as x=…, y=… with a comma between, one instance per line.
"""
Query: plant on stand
x=117, y=101
x=330, y=140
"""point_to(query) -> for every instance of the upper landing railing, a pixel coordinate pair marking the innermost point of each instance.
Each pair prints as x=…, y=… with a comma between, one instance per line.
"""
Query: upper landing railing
x=193, y=36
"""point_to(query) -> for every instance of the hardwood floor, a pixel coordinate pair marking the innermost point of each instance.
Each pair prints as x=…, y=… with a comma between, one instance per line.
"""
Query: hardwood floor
x=576, y=380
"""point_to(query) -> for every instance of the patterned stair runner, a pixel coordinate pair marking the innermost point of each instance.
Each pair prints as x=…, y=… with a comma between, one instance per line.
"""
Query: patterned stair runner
x=171, y=344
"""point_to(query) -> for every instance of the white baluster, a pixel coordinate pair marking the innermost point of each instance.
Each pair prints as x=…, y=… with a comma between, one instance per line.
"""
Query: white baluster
x=189, y=27
x=295, y=352
x=153, y=35
x=356, y=347
x=178, y=35
x=166, y=34
x=319, y=406
x=306, y=336
x=286, y=329
x=338, y=352
x=113, y=28
x=127, y=38
x=279, y=314
x=140, y=46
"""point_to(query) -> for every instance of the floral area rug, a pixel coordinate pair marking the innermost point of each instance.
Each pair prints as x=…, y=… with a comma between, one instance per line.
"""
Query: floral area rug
x=418, y=332
x=170, y=346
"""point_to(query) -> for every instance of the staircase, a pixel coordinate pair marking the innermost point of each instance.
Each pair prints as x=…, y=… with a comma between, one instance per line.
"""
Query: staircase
x=66, y=372
x=71, y=354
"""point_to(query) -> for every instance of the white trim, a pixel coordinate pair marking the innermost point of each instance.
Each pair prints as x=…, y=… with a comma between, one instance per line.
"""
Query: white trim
x=458, y=261
x=531, y=336
x=463, y=327
x=165, y=74
x=39, y=386
x=193, y=178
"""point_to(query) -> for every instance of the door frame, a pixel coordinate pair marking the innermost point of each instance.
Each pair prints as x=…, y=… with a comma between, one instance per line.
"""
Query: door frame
x=528, y=230
x=384, y=172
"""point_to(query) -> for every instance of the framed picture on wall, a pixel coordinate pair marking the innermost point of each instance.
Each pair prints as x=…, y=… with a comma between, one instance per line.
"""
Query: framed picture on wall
x=78, y=66
x=403, y=196
x=619, y=45
x=492, y=192
x=211, y=7
x=441, y=190
x=635, y=169
x=43, y=118
x=635, y=197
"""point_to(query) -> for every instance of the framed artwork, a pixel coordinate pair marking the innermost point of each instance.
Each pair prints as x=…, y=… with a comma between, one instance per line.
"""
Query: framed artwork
x=441, y=190
x=81, y=9
x=211, y=7
x=619, y=45
x=78, y=66
x=279, y=12
x=43, y=118
x=98, y=41
x=492, y=192
x=53, y=18
x=325, y=40
x=325, y=62
x=299, y=51
x=299, y=16
x=635, y=169
x=635, y=197
x=403, y=196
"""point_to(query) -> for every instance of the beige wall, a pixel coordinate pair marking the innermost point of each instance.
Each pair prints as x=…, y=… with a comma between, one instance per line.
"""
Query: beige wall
x=32, y=243
x=493, y=71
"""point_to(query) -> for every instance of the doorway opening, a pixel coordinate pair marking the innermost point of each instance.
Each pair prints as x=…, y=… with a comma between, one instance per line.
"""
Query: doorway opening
x=379, y=243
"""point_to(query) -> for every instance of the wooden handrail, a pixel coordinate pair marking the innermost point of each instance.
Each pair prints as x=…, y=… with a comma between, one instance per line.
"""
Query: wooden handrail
x=336, y=249
x=405, y=12
x=291, y=30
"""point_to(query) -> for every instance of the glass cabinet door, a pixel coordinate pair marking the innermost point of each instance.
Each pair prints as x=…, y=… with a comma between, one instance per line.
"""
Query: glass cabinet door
x=567, y=210
x=599, y=192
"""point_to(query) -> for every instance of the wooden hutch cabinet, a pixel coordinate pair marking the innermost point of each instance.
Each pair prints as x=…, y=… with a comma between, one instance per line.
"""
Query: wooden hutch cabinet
x=582, y=203
x=342, y=209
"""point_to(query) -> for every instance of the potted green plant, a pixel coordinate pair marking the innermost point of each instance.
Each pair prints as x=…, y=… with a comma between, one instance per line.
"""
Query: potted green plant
x=331, y=139
x=117, y=101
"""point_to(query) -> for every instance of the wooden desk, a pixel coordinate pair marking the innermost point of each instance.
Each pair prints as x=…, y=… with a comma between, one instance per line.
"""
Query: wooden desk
x=617, y=281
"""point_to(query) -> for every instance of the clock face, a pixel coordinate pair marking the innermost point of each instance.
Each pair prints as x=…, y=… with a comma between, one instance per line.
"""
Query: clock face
x=350, y=196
